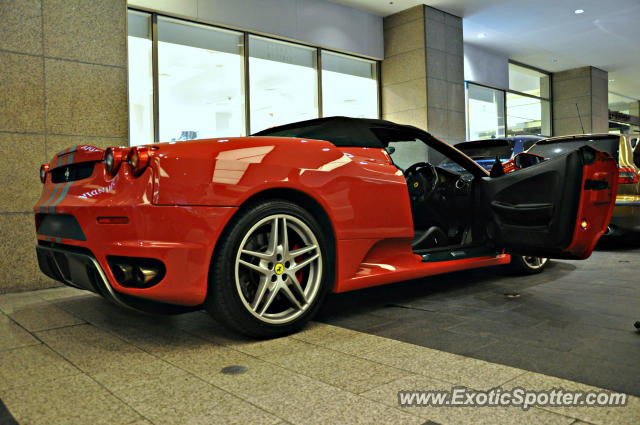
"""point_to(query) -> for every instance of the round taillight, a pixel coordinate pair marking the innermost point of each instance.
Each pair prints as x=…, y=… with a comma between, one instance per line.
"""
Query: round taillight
x=138, y=160
x=44, y=169
x=112, y=160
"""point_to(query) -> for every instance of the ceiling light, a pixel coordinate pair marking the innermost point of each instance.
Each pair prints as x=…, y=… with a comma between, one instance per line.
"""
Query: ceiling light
x=482, y=35
x=612, y=80
x=578, y=11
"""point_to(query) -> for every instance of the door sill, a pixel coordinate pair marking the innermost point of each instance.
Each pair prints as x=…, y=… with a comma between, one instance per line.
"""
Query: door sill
x=451, y=253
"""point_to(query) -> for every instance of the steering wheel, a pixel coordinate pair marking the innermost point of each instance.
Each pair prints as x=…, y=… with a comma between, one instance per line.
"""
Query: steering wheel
x=420, y=186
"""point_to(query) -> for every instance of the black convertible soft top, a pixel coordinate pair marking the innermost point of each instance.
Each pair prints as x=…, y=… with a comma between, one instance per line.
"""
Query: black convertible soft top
x=347, y=132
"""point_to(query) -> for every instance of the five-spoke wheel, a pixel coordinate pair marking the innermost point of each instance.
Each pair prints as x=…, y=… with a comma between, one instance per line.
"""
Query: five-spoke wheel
x=278, y=268
x=269, y=275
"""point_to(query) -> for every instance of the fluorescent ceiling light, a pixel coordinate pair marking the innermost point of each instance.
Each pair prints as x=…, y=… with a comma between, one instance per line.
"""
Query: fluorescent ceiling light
x=482, y=35
x=578, y=11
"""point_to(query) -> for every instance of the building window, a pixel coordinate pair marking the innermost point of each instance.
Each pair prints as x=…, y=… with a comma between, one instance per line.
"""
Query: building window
x=528, y=115
x=529, y=81
x=283, y=83
x=523, y=109
x=200, y=81
x=528, y=102
x=349, y=86
x=624, y=114
x=193, y=81
x=140, y=79
x=485, y=112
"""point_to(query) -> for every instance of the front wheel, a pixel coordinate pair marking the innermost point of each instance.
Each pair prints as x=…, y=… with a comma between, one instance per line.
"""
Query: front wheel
x=271, y=271
x=528, y=265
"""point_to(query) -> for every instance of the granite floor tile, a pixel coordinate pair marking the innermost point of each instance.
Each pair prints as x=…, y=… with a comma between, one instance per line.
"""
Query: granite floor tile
x=341, y=370
x=273, y=349
x=32, y=365
x=13, y=336
x=623, y=415
x=207, y=361
x=300, y=399
x=61, y=292
x=189, y=400
x=42, y=317
x=108, y=359
x=12, y=302
x=439, y=339
x=357, y=344
x=71, y=400
x=388, y=394
x=443, y=366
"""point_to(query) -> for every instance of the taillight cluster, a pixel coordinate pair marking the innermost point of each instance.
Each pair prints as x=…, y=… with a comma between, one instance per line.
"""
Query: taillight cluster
x=137, y=158
x=627, y=175
x=44, y=169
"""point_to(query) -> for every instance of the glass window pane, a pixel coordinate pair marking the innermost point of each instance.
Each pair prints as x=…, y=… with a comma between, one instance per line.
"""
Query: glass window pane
x=200, y=81
x=349, y=86
x=485, y=112
x=283, y=83
x=529, y=81
x=140, y=79
x=527, y=115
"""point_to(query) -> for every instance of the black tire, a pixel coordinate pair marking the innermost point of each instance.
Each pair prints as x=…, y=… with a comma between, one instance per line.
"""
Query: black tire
x=224, y=301
x=521, y=266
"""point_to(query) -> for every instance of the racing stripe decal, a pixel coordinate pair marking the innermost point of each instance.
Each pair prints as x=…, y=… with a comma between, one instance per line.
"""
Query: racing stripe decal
x=69, y=159
x=43, y=207
x=63, y=194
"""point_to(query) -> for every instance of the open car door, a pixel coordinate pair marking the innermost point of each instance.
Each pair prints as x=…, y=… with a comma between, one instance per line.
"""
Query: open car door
x=558, y=208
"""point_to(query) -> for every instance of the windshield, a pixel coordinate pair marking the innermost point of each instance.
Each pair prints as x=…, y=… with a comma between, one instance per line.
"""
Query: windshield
x=560, y=147
x=486, y=151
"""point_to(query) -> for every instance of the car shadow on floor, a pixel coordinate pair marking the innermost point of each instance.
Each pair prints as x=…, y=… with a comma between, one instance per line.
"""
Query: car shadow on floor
x=626, y=242
x=498, y=281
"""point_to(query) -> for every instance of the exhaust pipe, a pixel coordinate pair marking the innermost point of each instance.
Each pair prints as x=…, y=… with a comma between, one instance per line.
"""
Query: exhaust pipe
x=136, y=272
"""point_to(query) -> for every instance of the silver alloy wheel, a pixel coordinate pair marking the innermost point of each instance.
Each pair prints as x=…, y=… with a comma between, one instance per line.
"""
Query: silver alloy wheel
x=535, y=262
x=276, y=283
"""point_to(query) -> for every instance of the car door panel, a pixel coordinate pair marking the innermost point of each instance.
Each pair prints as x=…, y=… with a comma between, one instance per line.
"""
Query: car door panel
x=558, y=208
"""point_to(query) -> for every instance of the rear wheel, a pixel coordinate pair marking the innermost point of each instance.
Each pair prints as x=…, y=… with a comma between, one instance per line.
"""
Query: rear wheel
x=528, y=265
x=271, y=270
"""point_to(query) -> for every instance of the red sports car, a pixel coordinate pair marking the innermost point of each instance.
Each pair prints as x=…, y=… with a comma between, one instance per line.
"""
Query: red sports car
x=259, y=229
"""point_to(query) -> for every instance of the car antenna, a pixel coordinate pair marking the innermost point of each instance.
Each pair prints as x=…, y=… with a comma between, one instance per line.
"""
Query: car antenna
x=580, y=118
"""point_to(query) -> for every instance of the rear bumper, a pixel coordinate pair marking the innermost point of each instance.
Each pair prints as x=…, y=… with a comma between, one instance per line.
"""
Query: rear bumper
x=77, y=268
x=181, y=237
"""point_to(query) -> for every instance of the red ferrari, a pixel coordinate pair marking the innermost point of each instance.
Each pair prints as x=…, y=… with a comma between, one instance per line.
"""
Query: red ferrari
x=259, y=229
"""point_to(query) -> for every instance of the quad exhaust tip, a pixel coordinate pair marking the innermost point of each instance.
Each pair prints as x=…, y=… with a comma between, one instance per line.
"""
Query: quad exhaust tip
x=136, y=272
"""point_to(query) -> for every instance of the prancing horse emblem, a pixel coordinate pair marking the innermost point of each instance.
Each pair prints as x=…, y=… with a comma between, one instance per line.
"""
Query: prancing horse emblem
x=66, y=174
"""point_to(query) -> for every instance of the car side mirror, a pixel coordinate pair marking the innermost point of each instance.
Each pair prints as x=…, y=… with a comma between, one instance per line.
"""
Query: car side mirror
x=524, y=160
x=390, y=150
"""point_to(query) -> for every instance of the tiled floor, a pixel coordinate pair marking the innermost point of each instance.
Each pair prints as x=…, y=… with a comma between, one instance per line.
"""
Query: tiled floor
x=574, y=321
x=68, y=357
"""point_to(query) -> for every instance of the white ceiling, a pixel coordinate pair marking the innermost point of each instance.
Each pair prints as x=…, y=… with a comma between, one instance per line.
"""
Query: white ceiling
x=547, y=33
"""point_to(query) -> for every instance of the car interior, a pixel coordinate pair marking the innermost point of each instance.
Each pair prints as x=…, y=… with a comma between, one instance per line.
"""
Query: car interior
x=442, y=197
x=458, y=211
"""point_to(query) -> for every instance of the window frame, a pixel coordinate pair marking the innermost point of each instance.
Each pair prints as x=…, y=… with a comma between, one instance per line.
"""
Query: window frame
x=247, y=73
x=508, y=90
